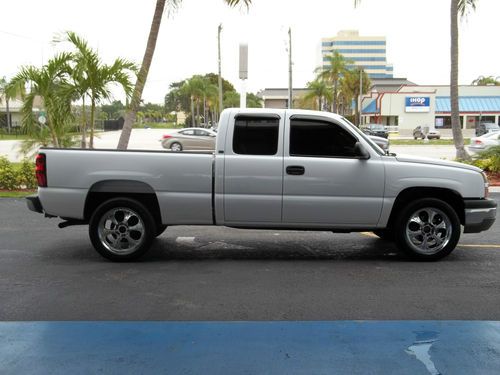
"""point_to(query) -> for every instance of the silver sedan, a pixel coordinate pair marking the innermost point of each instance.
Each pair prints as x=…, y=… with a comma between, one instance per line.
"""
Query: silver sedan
x=190, y=139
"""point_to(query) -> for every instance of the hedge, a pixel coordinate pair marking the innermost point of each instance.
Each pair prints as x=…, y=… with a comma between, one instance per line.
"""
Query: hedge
x=17, y=176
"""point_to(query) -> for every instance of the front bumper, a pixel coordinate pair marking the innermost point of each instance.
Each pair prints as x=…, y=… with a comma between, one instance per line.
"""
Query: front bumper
x=34, y=204
x=480, y=214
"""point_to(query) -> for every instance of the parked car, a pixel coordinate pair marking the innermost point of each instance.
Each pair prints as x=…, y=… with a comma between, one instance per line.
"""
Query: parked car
x=190, y=139
x=272, y=168
x=432, y=134
x=484, y=142
x=376, y=130
x=383, y=143
x=486, y=127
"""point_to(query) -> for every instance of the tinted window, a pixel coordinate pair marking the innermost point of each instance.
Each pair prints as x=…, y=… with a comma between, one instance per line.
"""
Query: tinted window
x=201, y=133
x=320, y=138
x=256, y=136
x=187, y=132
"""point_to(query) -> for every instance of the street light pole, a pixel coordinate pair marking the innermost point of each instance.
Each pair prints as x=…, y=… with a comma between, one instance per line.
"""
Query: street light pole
x=290, y=87
x=360, y=102
x=221, y=99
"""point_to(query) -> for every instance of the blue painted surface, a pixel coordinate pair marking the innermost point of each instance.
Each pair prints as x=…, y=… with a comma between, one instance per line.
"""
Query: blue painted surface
x=470, y=104
x=371, y=107
x=344, y=347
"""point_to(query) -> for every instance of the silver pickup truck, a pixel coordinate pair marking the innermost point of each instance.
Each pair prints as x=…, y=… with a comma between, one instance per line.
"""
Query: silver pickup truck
x=279, y=169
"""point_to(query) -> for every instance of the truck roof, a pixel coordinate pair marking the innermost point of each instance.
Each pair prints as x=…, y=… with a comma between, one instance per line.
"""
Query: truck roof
x=283, y=111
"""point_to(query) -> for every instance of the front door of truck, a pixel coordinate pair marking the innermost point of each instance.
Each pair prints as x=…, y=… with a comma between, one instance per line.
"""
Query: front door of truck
x=325, y=183
x=253, y=167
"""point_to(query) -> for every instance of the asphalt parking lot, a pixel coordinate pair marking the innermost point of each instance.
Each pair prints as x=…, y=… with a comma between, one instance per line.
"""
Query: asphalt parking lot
x=209, y=273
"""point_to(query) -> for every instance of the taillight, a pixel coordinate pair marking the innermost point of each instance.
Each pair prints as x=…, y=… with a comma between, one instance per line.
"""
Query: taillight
x=478, y=142
x=166, y=136
x=41, y=170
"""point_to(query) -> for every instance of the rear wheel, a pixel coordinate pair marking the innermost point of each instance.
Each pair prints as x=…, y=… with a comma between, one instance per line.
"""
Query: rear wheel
x=122, y=229
x=427, y=229
x=176, y=146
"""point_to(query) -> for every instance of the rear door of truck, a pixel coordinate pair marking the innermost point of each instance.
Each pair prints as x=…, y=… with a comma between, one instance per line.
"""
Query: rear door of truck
x=253, y=169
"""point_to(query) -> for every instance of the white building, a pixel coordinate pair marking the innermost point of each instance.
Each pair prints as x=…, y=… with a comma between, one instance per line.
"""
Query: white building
x=410, y=106
x=368, y=52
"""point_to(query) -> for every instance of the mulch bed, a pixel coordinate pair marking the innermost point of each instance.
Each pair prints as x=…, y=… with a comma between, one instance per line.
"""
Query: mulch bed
x=494, y=178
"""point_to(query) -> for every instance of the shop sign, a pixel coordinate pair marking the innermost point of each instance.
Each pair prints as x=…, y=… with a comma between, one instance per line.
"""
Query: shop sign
x=418, y=104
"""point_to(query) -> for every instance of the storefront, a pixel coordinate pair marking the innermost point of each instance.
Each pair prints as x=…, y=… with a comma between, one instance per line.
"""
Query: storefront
x=411, y=106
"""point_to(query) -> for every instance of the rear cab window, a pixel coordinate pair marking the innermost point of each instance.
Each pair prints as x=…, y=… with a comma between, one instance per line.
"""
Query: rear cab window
x=256, y=135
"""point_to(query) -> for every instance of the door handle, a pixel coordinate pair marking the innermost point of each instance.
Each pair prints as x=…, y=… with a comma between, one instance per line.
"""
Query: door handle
x=296, y=170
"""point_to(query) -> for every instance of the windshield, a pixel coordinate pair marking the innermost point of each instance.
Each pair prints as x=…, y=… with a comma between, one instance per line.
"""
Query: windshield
x=377, y=149
x=376, y=127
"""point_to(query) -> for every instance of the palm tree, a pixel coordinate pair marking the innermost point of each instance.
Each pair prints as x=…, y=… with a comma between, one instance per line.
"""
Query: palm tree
x=458, y=8
x=146, y=63
x=52, y=85
x=337, y=65
x=3, y=88
x=93, y=79
x=486, y=81
x=350, y=87
x=319, y=91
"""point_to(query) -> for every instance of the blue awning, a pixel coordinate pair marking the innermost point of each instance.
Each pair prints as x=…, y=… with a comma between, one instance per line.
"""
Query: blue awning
x=475, y=104
x=371, y=107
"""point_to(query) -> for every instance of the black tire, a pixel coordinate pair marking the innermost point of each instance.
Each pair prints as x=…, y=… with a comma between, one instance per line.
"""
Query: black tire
x=120, y=231
x=438, y=212
x=178, y=144
x=385, y=234
x=160, y=229
x=415, y=138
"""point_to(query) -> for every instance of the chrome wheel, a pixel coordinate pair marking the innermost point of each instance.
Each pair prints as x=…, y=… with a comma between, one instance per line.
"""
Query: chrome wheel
x=176, y=147
x=121, y=231
x=428, y=230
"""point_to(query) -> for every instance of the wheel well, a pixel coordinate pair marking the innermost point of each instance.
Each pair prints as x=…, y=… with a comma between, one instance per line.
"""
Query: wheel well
x=105, y=190
x=449, y=196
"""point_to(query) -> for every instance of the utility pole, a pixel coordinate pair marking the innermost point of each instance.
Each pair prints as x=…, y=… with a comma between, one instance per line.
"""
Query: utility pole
x=290, y=87
x=221, y=97
x=243, y=74
x=360, y=95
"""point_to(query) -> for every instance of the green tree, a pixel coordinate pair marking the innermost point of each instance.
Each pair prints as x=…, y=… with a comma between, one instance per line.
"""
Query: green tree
x=319, y=90
x=486, y=81
x=4, y=96
x=337, y=66
x=146, y=63
x=231, y=99
x=93, y=78
x=350, y=87
x=51, y=83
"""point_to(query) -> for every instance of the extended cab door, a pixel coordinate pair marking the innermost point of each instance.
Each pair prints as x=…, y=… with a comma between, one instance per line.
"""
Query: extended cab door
x=325, y=183
x=253, y=169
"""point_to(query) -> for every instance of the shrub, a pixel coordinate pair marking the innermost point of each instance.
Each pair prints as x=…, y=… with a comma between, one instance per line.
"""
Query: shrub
x=8, y=175
x=489, y=159
x=26, y=175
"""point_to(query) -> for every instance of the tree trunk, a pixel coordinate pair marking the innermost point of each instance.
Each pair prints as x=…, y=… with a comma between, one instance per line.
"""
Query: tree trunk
x=92, y=115
x=335, y=96
x=84, y=125
x=204, y=110
x=192, y=112
x=53, y=134
x=197, y=111
x=142, y=76
x=458, y=138
x=7, y=111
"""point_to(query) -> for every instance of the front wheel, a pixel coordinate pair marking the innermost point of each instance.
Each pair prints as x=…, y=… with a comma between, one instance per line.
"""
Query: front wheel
x=427, y=229
x=122, y=229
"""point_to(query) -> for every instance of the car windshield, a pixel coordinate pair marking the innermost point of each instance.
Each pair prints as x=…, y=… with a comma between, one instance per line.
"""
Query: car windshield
x=377, y=127
x=375, y=147
x=491, y=126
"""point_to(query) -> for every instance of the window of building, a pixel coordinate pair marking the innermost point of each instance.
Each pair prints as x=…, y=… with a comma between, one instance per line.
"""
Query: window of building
x=256, y=135
x=320, y=139
x=444, y=122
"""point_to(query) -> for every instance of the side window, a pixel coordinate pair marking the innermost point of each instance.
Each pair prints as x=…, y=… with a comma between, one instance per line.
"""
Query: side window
x=320, y=139
x=201, y=133
x=187, y=132
x=255, y=135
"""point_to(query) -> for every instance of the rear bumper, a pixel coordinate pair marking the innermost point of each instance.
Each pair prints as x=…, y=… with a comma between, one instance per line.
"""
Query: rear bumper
x=34, y=204
x=480, y=214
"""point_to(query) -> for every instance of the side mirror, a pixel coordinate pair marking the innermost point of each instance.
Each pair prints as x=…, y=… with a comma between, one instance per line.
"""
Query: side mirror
x=360, y=151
